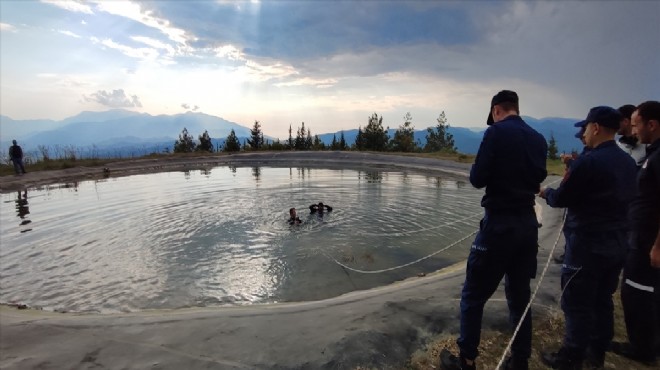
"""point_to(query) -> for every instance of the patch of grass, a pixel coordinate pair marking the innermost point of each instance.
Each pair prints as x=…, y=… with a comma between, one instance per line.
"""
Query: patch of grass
x=547, y=336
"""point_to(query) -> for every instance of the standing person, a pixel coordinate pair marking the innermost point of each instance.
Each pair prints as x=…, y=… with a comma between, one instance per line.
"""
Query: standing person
x=510, y=164
x=16, y=156
x=596, y=190
x=641, y=273
x=628, y=141
x=568, y=161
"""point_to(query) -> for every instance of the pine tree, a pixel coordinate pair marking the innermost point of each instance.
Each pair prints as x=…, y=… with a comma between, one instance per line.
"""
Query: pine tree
x=185, y=143
x=205, y=143
x=439, y=138
x=342, y=142
x=359, y=139
x=231, y=143
x=290, y=143
x=375, y=136
x=318, y=144
x=404, y=139
x=552, y=147
x=334, y=145
x=309, y=140
x=301, y=141
x=256, y=140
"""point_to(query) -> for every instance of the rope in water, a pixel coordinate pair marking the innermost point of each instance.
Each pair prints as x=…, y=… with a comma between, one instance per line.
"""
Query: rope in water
x=400, y=266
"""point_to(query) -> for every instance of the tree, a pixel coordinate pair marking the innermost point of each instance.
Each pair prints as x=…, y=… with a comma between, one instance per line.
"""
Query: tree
x=552, y=147
x=335, y=144
x=318, y=144
x=290, y=142
x=185, y=144
x=404, y=139
x=375, y=136
x=309, y=141
x=359, y=139
x=256, y=140
x=300, y=141
x=205, y=144
x=342, y=142
x=231, y=143
x=439, y=138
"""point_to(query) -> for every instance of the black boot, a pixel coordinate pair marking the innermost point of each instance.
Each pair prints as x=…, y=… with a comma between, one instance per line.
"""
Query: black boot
x=564, y=359
x=515, y=363
x=451, y=362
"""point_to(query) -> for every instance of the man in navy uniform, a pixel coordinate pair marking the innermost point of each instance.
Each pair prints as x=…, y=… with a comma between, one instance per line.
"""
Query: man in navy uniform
x=510, y=164
x=597, y=190
x=641, y=273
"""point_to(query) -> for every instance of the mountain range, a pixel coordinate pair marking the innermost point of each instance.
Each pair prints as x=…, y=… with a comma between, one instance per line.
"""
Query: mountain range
x=117, y=131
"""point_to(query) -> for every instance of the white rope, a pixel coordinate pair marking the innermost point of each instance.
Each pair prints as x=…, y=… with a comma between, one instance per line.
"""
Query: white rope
x=428, y=228
x=400, y=266
x=538, y=285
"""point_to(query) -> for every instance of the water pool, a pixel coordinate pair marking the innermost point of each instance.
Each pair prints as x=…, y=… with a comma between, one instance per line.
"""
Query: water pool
x=220, y=236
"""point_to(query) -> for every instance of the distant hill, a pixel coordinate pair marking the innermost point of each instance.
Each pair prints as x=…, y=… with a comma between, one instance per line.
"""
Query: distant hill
x=119, y=131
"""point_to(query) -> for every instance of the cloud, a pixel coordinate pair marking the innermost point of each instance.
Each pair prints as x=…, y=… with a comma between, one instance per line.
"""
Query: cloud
x=189, y=107
x=114, y=99
x=133, y=11
x=138, y=53
x=7, y=27
x=70, y=5
x=69, y=33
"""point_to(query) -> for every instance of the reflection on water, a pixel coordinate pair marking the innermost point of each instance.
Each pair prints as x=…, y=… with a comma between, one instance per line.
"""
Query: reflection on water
x=221, y=236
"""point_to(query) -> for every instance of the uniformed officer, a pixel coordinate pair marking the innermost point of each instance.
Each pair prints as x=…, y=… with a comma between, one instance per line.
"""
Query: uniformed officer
x=641, y=274
x=510, y=164
x=596, y=190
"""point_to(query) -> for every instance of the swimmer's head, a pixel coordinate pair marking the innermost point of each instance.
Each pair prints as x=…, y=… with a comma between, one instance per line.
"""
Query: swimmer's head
x=292, y=212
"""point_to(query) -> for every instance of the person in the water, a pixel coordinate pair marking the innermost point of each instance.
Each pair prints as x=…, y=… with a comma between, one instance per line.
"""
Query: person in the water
x=293, y=217
x=319, y=208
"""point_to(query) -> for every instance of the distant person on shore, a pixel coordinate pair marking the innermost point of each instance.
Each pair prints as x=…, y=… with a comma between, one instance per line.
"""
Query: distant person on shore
x=510, y=164
x=319, y=208
x=293, y=217
x=16, y=156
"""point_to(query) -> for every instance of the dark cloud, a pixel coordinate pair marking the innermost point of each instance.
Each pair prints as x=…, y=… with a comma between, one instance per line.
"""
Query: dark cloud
x=193, y=108
x=114, y=99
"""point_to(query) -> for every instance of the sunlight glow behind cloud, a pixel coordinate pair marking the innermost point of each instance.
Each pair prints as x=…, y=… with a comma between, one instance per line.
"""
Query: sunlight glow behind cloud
x=330, y=64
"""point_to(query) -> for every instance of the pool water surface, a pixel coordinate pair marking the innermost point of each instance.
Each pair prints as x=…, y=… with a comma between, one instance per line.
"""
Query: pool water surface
x=221, y=237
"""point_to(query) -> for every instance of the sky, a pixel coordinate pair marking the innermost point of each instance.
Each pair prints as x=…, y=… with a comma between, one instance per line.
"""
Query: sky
x=330, y=64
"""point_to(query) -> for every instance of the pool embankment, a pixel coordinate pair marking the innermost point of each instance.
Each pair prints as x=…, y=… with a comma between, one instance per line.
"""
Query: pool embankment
x=334, y=159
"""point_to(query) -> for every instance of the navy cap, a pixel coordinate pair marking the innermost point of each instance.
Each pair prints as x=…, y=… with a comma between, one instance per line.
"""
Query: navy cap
x=504, y=96
x=604, y=116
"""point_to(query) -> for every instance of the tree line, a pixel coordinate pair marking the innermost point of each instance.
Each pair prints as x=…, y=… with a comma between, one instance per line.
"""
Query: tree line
x=373, y=137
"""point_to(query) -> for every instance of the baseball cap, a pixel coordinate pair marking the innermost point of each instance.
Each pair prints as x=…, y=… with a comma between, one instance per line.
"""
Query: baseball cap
x=604, y=116
x=504, y=96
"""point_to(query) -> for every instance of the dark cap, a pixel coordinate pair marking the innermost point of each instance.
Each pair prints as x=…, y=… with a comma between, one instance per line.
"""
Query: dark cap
x=579, y=134
x=504, y=96
x=604, y=116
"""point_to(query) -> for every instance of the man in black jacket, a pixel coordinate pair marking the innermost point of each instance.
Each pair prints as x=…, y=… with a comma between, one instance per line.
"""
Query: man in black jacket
x=597, y=190
x=641, y=274
x=510, y=164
